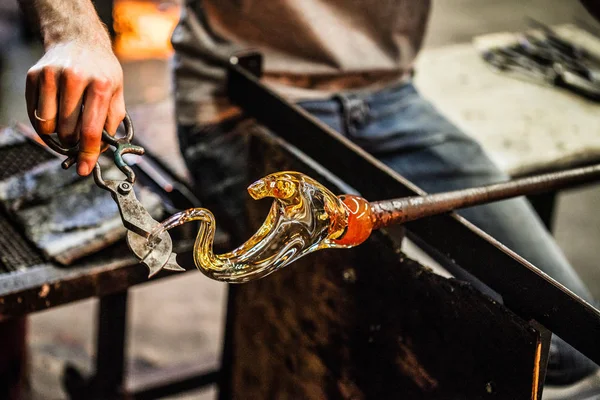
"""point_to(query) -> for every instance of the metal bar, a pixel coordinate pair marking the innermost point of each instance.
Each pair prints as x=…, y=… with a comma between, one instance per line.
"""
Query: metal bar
x=525, y=289
x=110, y=345
x=170, y=381
x=226, y=377
x=399, y=211
x=47, y=286
x=545, y=337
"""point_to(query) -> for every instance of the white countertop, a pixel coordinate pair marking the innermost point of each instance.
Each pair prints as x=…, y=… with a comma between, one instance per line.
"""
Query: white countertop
x=525, y=127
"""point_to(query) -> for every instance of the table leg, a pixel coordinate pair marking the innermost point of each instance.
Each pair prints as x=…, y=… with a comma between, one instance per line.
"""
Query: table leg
x=108, y=382
x=110, y=343
x=13, y=357
x=226, y=373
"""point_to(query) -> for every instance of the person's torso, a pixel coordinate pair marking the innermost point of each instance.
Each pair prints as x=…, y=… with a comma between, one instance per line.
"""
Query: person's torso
x=310, y=47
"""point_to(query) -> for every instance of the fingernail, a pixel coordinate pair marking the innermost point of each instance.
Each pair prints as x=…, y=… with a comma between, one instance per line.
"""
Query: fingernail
x=83, y=168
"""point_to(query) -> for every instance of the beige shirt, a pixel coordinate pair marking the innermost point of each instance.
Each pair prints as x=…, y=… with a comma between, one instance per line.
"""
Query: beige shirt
x=311, y=48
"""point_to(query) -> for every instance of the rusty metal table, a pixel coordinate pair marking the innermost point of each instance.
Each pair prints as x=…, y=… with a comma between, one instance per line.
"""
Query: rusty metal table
x=36, y=285
x=107, y=276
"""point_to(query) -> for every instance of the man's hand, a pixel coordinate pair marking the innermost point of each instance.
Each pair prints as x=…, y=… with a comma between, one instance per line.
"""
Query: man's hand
x=69, y=76
x=76, y=88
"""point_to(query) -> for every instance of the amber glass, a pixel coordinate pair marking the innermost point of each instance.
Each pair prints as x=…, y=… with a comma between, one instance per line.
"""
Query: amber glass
x=360, y=221
x=305, y=217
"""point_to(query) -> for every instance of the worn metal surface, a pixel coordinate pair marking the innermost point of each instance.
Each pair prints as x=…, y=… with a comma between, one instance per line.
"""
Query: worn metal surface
x=368, y=323
x=16, y=253
x=77, y=221
x=402, y=210
x=524, y=288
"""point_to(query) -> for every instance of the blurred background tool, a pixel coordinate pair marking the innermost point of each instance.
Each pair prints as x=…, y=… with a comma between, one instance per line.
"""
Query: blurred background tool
x=542, y=55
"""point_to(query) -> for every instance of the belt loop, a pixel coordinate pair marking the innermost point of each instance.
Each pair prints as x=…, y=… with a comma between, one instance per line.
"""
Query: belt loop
x=355, y=112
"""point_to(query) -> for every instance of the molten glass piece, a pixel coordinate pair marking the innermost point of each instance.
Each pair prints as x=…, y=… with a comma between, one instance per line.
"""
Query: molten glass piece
x=360, y=221
x=305, y=217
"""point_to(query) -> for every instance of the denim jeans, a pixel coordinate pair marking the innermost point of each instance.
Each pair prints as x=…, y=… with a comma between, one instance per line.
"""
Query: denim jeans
x=407, y=133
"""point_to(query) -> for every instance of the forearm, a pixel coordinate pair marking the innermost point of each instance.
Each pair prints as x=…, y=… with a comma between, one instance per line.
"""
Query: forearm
x=76, y=88
x=62, y=21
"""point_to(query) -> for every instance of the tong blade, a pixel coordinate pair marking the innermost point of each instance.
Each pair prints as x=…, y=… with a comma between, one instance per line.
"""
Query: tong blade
x=172, y=264
x=157, y=254
x=155, y=257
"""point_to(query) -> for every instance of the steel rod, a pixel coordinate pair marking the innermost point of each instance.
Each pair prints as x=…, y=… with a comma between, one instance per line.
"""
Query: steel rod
x=398, y=211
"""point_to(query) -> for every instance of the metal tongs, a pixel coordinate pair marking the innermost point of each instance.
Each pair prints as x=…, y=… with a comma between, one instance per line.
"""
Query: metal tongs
x=136, y=219
x=548, y=58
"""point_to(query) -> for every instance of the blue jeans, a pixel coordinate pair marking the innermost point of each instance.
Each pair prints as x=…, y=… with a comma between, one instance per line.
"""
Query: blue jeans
x=407, y=133
x=403, y=130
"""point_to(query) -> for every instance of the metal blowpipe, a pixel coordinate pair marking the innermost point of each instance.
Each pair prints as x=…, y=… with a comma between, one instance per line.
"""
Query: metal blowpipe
x=398, y=211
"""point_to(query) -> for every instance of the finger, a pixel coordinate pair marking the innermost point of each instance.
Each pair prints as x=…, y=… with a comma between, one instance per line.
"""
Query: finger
x=116, y=112
x=95, y=110
x=31, y=94
x=47, y=106
x=72, y=86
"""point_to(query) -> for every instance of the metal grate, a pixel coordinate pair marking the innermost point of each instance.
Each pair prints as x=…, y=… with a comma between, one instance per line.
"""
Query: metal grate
x=21, y=157
x=15, y=252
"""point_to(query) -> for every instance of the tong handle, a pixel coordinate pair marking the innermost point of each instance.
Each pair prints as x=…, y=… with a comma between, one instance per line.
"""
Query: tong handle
x=122, y=146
